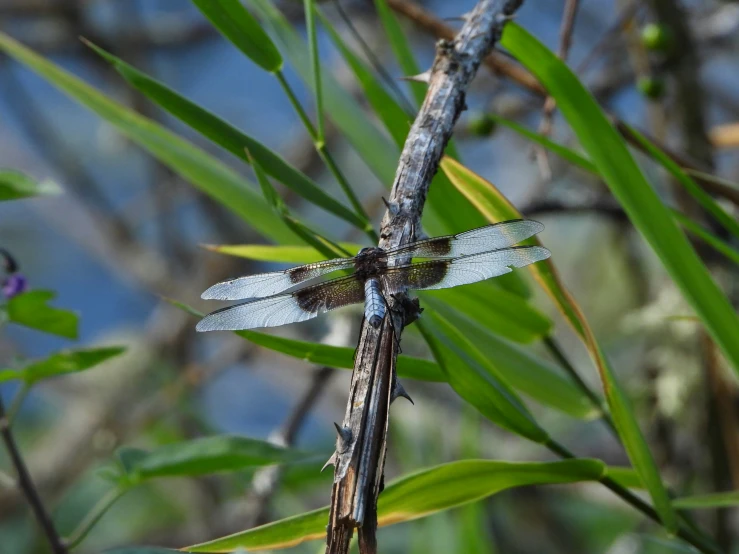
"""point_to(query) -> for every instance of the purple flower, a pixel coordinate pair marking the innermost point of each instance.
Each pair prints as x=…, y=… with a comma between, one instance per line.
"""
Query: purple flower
x=13, y=285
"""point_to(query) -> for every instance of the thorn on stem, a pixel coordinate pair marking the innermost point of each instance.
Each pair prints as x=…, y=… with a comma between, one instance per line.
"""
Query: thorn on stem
x=424, y=77
x=399, y=391
x=344, y=437
x=330, y=462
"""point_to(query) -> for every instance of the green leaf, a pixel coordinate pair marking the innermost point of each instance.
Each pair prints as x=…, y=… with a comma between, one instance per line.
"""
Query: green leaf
x=205, y=456
x=236, y=24
x=68, y=361
x=315, y=65
x=401, y=48
x=230, y=138
x=497, y=208
x=279, y=254
x=386, y=108
x=31, y=309
x=626, y=477
x=706, y=236
x=527, y=373
x=498, y=310
x=15, y=185
x=563, y=152
x=208, y=174
x=340, y=357
x=703, y=501
x=476, y=380
x=701, y=196
x=140, y=550
x=570, y=155
x=415, y=496
x=375, y=149
x=609, y=153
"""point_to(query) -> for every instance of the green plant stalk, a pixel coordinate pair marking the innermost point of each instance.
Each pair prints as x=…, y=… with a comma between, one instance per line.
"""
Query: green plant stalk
x=688, y=534
x=17, y=402
x=325, y=156
x=597, y=401
x=94, y=515
x=310, y=25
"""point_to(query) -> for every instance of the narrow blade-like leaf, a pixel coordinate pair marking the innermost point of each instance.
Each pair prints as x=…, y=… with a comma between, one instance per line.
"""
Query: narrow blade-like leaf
x=193, y=164
x=278, y=254
x=474, y=379
x=707, y=501
x=608, y=151
x=15, y=185
x=414, y=496
x=209, y=455
x=496, y=207
x=239, y=26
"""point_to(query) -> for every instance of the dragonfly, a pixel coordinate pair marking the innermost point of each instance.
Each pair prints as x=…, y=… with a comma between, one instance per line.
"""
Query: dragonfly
x=447, y=261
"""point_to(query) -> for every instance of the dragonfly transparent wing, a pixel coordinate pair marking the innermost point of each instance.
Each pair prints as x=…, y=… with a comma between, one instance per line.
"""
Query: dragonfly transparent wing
x=269, y=284
x=443, y=274
x=282, y=309
x=475, y=241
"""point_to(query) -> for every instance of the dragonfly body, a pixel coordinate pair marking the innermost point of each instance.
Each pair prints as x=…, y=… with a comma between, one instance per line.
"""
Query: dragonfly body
x=451, y=261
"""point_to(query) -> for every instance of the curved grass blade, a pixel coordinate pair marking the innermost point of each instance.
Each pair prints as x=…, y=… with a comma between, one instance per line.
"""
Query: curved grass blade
x=193, y=164
x=707, y=501
x=388, y=110
x=496, y=207
x=701, y=196
x=609, y=153
x=574, y=157
x=229, y=137
x=375, y=149
x=278, y=254
x=535, y=377
x=205, y=456
x=414, y=496
x=15, y=185
x=315, y=64
x=706, y=236
x=562, y=151
x=340, y=357
x=476, y=380
x=245, y=32
x=402, y=50
x=498, y=310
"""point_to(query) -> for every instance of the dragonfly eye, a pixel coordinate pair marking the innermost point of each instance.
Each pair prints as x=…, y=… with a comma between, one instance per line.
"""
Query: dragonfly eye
x=364, y=250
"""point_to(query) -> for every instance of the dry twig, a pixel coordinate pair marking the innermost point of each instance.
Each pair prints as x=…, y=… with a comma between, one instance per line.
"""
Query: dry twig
x=361, y=444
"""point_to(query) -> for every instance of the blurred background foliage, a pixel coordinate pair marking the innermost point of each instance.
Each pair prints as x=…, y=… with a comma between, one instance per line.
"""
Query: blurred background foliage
x=121, y=223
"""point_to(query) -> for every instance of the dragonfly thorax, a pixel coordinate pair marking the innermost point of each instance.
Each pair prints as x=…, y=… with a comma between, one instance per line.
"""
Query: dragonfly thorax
x=370, y=262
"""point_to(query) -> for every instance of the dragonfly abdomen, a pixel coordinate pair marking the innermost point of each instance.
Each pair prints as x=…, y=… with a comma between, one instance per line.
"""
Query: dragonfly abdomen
x=374, y=304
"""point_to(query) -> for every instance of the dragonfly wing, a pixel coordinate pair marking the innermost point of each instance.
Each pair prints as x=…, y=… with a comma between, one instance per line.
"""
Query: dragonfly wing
x=442, y=274
x=282, y=309
x=483, y=239
x=269, y=284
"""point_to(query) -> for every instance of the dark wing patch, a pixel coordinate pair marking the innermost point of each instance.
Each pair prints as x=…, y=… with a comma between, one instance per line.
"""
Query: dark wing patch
x=282, y=309
x=483, y=239
x=269, y=284
x=442, y=274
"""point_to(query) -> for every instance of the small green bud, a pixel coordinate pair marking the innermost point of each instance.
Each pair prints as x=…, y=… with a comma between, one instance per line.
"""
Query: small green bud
x=651, y=87
x=656, y=37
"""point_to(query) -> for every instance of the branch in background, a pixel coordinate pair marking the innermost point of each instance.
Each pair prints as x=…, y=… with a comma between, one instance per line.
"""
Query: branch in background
x=361, y=445
x=501, y=66
x=545, y=126
x=26, y=485
x=266, y=480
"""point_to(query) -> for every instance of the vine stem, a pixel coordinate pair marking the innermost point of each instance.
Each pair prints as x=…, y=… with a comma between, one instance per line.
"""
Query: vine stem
x=703, y=544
